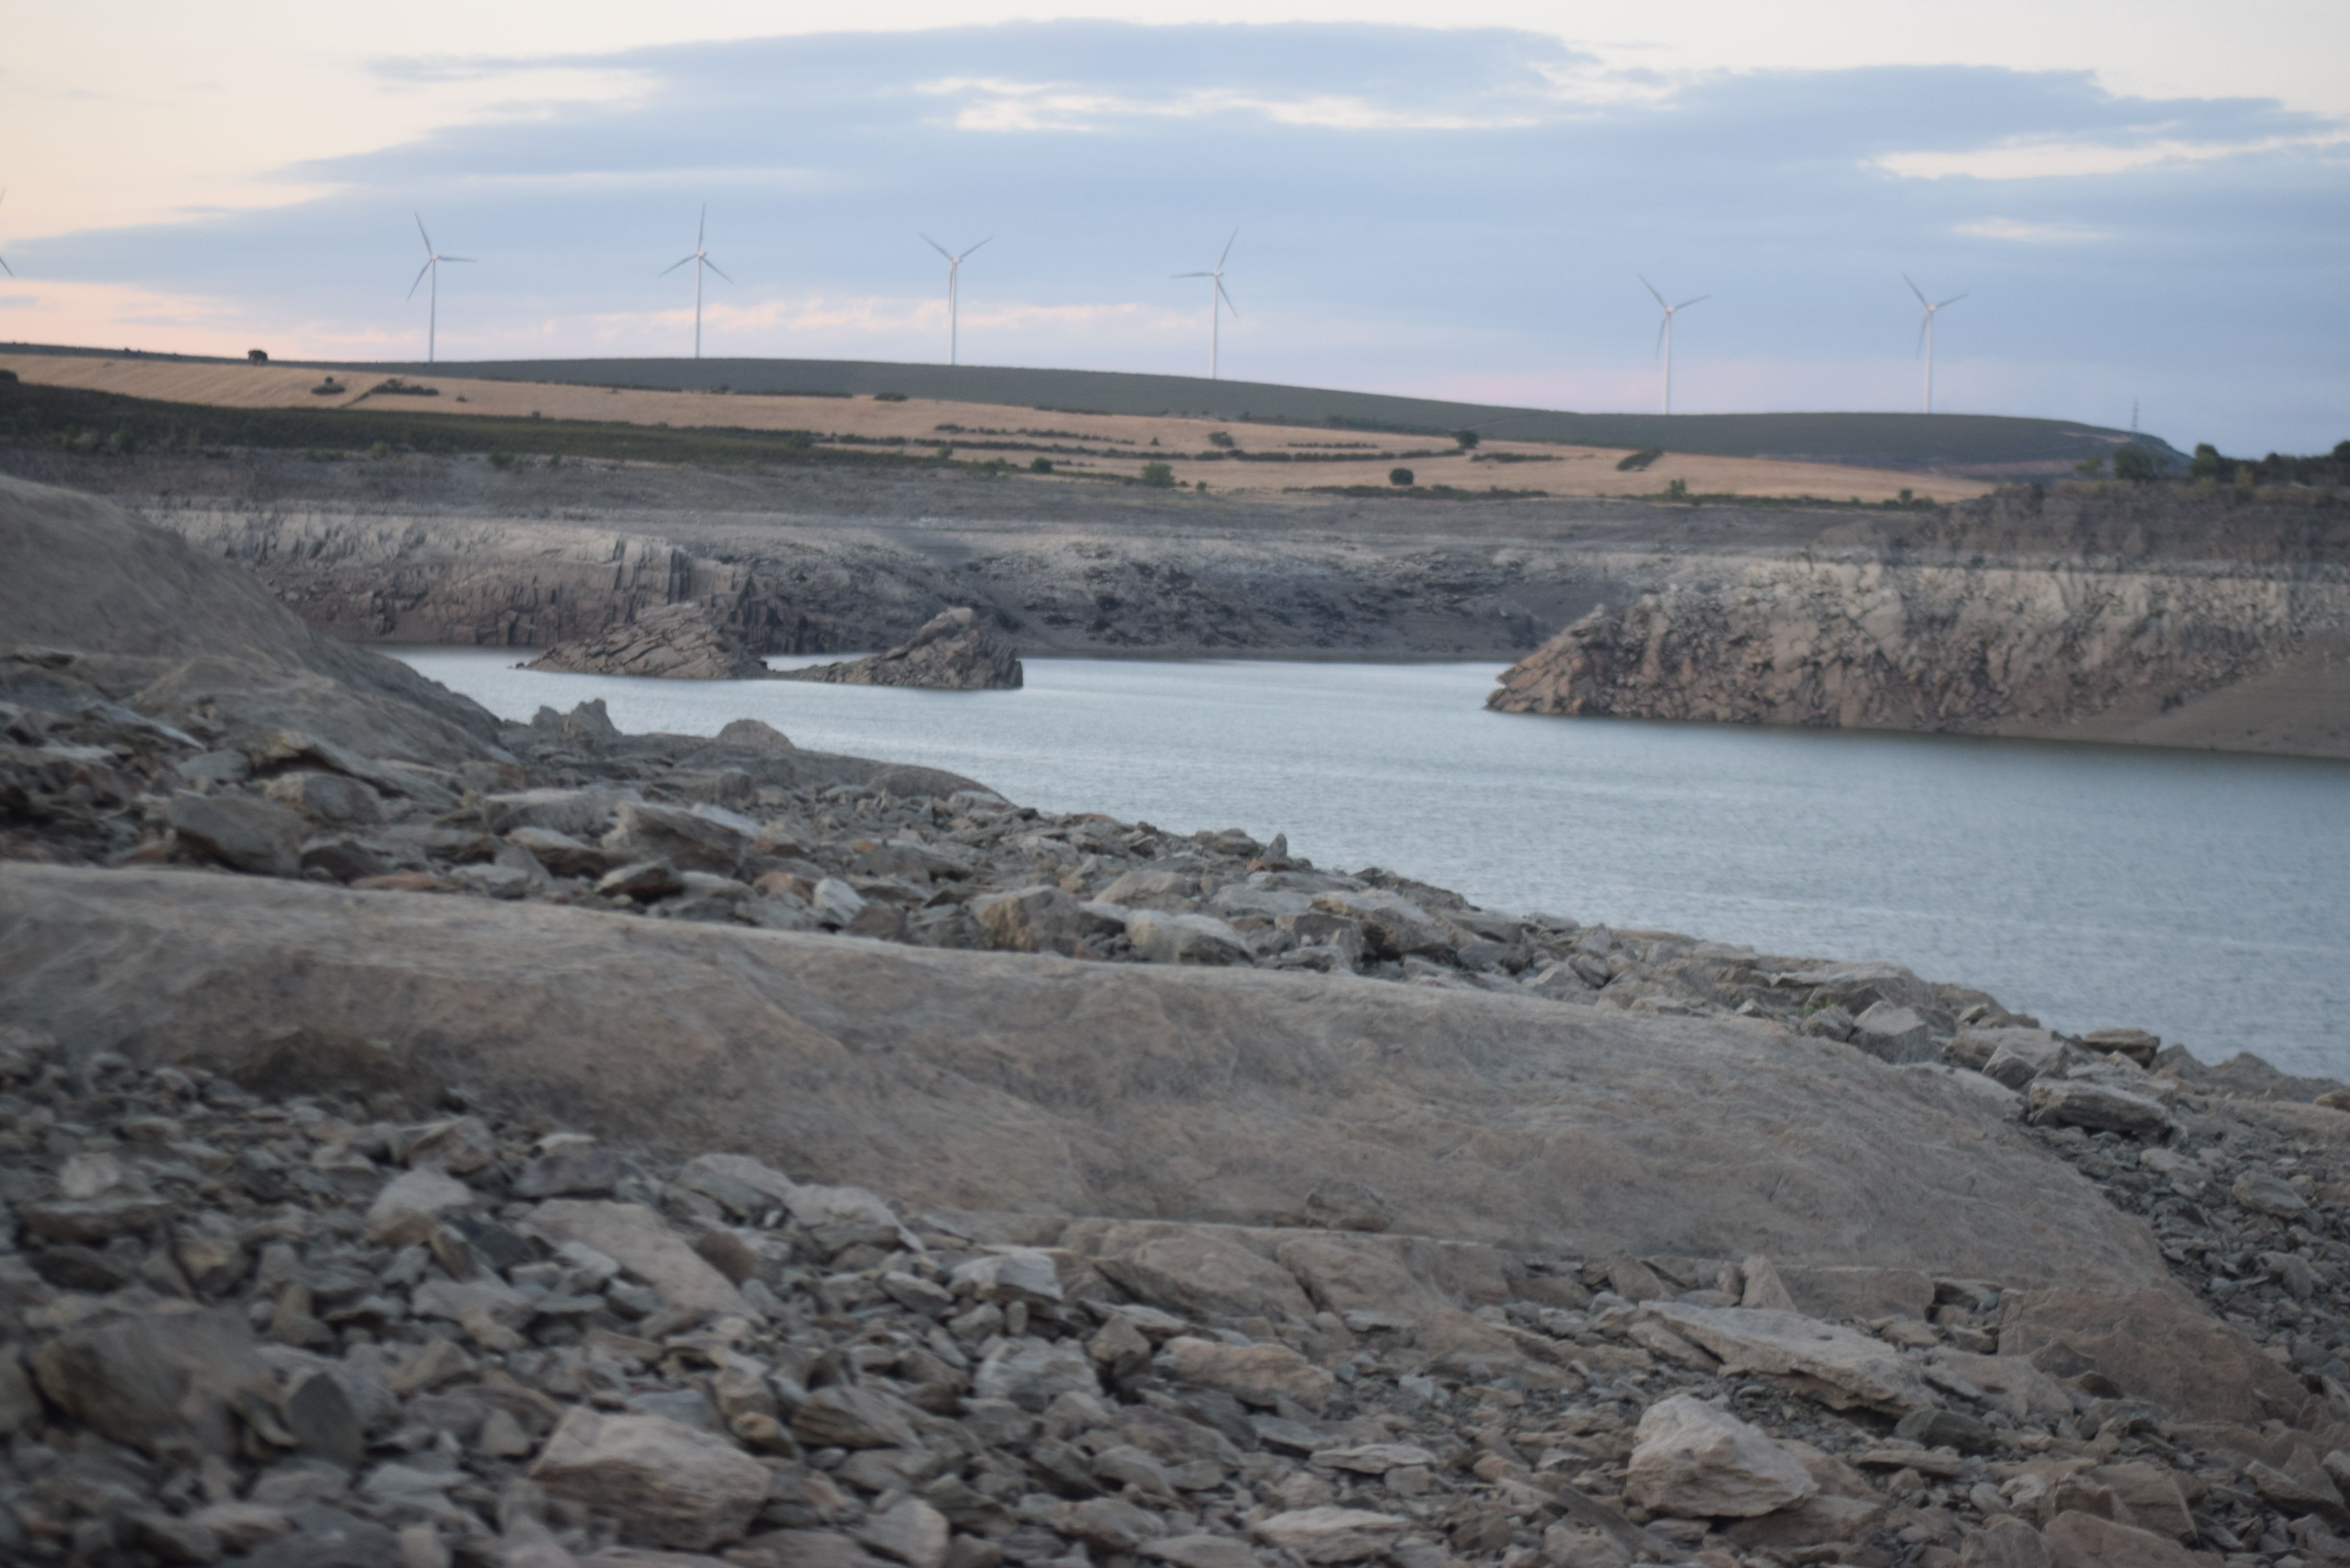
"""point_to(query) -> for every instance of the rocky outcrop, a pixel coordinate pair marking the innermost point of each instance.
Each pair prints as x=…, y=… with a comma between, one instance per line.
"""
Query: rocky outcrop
x=956, y=651
x=1881, y=644
x=674, y=642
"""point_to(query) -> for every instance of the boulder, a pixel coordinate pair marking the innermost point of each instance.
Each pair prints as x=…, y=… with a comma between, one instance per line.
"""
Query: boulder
x=1842, y=1367
x=1033, y=1373
x=666, y=1483
x=1189, y=1269
x=637, y=1239
x=2099, y=1107
x=2019, y=1055
x=176, y=1384
x=1892, y=1034
x=1695, y=1460
x=2265, y=1194
x=2078, y=1540
x=1393, y=925
x=991, y=1081
x=673, y=643
x=853, y=1417
x=2004, y=1544
x=254, y=835
x=1259, y=1374
x=955, y=650
x=1161, y=937
x=692, y=838
x=910, y=1531
x=2151, y=1345
x=334, y=800
x=2135, y=1044
x=1036, y=919
x=1317, y=1535
x=411, y=1205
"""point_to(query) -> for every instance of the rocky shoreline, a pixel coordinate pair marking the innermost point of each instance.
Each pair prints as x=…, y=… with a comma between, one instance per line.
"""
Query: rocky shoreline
x=430, y=1142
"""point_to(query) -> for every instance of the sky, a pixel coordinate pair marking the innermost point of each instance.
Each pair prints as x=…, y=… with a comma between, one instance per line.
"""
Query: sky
x=2144, y=205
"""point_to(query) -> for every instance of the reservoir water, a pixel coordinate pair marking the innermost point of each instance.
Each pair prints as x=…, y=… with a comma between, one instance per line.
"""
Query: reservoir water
x=2206, y=898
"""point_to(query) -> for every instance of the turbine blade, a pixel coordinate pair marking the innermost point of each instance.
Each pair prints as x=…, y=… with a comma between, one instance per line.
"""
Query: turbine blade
x=714, y=268
x=420, y=229
x=1228, y=250
x=420, y=279
x=453, y=258
x=5, y=267
x=974, y=247
x=1952, y=300
x=1652, y=290
x=672, y=267
x=1914, y=288
x=1190, y=275
x=702, y=228
x=936, y=246
x=1685, y=304
x=1228, y=299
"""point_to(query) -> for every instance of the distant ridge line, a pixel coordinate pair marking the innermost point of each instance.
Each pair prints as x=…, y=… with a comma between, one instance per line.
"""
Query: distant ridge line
x=1997, y=446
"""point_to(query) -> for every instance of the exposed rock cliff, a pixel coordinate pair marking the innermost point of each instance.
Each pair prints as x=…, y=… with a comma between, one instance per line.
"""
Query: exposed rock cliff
x=956, y=651
x=677, y=642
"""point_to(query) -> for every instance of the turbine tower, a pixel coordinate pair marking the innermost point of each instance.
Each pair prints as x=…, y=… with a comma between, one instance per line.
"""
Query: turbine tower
x=954, y=278
x=1218, y=301
x=1925, y=334
x=3, y=260
x=1665, y=333
x=700, y=259
x=431, y=268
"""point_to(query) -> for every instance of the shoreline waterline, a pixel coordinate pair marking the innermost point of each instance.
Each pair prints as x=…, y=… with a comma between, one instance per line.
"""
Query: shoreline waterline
x=2196, y=894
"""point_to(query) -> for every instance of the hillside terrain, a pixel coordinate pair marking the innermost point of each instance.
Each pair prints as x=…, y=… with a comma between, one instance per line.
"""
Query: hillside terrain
x=1985, y=446
x=539, y=1146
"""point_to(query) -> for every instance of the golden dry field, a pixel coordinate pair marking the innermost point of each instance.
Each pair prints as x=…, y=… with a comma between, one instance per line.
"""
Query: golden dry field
x=1078, y=445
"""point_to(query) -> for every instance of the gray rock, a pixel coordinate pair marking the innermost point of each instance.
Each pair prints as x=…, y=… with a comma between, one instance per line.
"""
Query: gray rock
x=1033, y=1373
x=850, y=1417
x=1318, y=1535
x=1892, y=1034
x=636, y=1237
x=666, y=1483
x=643, y=880
x=2019, y=1055
x=1393, y=925
x=250, y=835
x=677, y=642
x=2265, y=1194
x=412, y=1206
x=1162, y=937
x=1695, y=1460
x=743, y=1186
x=333, y=799
x=955, y=650
x=1041, y=918
x=174, y=1384
x=692, y=838
x=575, y=1170
x=1848, y=1367
x=2096, y=1107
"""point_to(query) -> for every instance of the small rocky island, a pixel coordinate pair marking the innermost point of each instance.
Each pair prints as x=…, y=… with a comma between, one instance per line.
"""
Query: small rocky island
x=676, y=642
x=956, y=651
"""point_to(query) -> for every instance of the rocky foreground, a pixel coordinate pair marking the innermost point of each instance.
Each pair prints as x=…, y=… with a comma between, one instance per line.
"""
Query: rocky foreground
x=430, y=1141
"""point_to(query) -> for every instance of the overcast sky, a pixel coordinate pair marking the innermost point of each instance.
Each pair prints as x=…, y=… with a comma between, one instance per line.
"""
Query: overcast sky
x=2143, y=202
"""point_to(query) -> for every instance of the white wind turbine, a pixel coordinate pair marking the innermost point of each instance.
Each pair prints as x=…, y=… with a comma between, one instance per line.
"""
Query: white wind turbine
x=955, y=280
x=1218, y=300
x=431, y=267
x=700, y=259
x=1925, y=334
x=1665, y=333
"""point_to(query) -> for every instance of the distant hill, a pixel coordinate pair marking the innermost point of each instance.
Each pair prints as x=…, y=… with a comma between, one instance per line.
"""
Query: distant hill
x=1989, y=445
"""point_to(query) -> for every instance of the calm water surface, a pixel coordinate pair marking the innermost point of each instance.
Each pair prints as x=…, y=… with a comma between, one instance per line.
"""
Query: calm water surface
x=2205, y=897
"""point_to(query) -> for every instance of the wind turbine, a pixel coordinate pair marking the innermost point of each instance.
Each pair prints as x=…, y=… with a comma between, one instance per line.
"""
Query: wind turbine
x=1665, y=333
x=700, y=259
x=954, y=276
x=3, y=260
x=431, y=267
x=1925, y=334
x=1217, y=300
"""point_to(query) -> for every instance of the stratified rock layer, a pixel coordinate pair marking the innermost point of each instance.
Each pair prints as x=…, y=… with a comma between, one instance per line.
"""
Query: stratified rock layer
x=956, y=651
x=674, y=642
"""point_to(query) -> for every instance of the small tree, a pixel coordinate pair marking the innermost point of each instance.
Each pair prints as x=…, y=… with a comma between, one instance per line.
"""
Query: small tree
x=1040, y=466
x=1159, y=476
x=2206, y=462
x=2090, y=467
x=2137, y=465
x=1400, y=477
x=1677, y=490
x=1220, y=438
x=1468, y=440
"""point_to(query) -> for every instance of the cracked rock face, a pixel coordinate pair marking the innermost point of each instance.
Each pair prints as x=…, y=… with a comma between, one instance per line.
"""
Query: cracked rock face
x=955, y=650
x=674, y=642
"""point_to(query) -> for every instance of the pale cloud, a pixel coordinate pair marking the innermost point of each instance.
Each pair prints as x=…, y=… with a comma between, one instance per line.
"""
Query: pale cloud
x=2031, y=158
x=998, y=104
x=2024, y=233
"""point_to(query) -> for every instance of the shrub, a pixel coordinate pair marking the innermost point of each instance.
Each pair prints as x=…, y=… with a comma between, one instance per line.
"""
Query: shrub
x=1677, y=490
x=1220, y=438
x=1635, y=462
x=946, y=449
x=2137, y=465
x=889, y=397
x=381, y=450
x=555, y=459
x=1400, y=477
x=1159, y=476
x=1907, y=495
x=126, y=440
x=2207, y=463
x=1203, y=487
x=502, y=460
x=1040, y=466
x=2090, y=466
x=1468, y=440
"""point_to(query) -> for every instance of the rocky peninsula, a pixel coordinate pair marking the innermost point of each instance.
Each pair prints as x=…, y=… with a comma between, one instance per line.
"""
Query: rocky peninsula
x=955, y=650
x=438, y=1141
